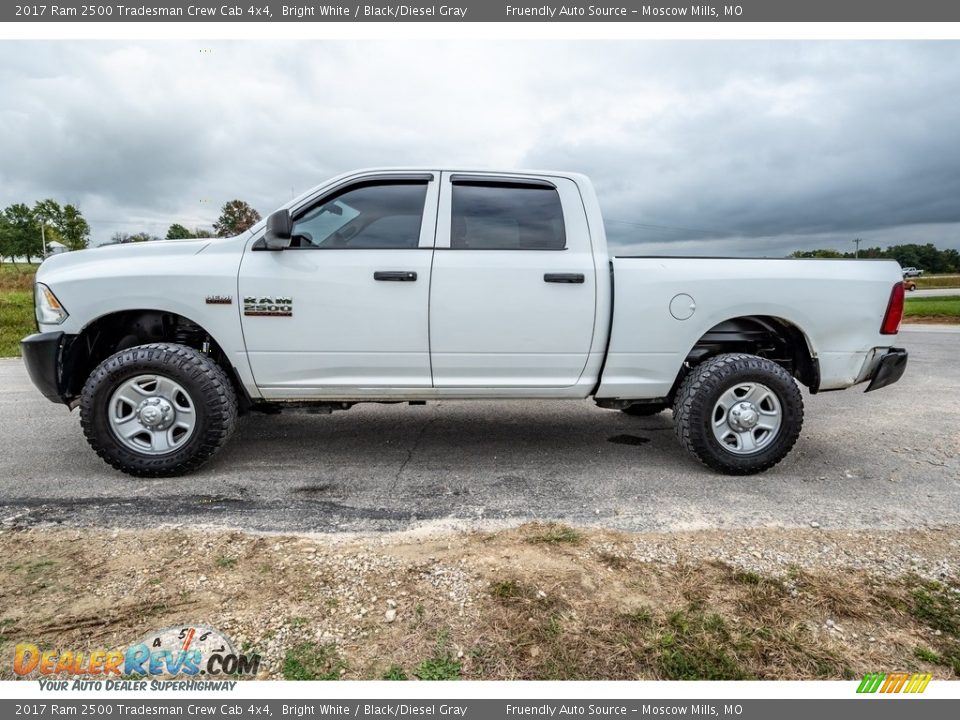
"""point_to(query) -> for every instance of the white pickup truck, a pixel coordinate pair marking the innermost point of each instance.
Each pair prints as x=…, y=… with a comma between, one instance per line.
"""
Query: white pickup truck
x=417, y=285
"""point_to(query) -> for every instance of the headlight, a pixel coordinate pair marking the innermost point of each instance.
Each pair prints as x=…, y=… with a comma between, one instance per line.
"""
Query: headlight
x=49, y=310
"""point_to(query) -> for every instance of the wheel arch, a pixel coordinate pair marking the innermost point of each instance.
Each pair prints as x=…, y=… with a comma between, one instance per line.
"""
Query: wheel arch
x=768, y=336
x=121, y=329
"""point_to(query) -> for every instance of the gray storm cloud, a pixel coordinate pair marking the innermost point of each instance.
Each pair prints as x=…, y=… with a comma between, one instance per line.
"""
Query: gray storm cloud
x=728, y=147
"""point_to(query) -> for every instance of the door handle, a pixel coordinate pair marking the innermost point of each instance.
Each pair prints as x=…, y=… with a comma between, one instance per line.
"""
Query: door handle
x=563, y=278
x=395, y=275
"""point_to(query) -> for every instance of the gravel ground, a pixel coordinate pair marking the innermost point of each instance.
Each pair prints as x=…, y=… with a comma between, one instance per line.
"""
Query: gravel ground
x=391, y=596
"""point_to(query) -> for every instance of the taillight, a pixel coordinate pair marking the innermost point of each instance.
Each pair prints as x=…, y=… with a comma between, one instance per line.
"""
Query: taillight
x=894, y=314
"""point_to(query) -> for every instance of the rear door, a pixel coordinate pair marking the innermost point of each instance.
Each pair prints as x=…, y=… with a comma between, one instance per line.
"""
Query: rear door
x=343, y=311
x=513, y=290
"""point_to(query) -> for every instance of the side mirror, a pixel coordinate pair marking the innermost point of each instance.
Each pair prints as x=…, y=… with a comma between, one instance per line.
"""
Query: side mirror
x=279, y=228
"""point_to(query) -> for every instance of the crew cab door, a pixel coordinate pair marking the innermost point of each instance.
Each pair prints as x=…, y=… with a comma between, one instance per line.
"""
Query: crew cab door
x=513, y=292
x=343, y=310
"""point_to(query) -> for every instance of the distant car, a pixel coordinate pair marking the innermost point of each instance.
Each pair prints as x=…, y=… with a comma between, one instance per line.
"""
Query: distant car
x=910, y=272
x=909, y=285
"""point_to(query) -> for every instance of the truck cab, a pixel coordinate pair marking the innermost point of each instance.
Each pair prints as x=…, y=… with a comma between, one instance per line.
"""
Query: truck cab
x=411, y=285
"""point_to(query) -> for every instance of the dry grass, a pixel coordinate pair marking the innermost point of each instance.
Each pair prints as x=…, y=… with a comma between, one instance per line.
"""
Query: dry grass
x=531, y=604
x=553, y=534
x=17, y=277
x=840, y=596
x=677, y=623
x=937, y=281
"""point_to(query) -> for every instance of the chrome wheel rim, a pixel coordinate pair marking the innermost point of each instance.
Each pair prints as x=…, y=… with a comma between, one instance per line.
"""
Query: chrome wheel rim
x=747, y=418
x=152, y=414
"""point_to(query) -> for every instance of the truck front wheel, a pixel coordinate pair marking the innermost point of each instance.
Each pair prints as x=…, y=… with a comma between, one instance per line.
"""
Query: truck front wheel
x=157, y=410
x=737, y=413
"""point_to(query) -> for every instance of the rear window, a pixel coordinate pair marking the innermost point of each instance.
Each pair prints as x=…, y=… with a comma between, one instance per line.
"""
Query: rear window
x=506, y=216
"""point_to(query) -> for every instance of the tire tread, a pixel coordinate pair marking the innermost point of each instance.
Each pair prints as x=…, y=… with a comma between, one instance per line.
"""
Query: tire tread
x=218, y=396
x=689, y=406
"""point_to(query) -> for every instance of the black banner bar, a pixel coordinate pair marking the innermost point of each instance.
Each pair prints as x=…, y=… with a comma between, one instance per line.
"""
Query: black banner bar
x=870, y=707
x=893, y=11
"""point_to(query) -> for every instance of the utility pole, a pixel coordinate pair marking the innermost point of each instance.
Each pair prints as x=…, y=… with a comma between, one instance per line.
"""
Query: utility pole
x=43, y=238
x=856, y=253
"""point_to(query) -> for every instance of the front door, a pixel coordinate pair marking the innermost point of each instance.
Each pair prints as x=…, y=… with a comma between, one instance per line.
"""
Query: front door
x=343, y=311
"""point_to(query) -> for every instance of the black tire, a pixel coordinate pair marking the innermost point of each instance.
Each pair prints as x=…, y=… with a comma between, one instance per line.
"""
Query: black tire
x=644, y=409
x=208, y=387
x=703, y=387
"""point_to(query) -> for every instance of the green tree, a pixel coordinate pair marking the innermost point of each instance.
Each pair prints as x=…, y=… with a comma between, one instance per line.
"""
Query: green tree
x=817, y=254
x=235, y=217
x=142, y=237
x=951, y=260
x=178, y=232
x=49, y=214
x=73, y=229
x=122, y=238
x=22, y=232
x=64, y=224
x=6, y=239
x=927, y=257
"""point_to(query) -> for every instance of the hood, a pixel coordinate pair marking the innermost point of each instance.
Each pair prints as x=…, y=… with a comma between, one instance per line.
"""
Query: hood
x=65, y=263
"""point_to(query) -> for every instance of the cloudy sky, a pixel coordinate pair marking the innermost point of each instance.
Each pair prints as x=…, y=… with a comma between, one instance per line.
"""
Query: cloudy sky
x=733, y=147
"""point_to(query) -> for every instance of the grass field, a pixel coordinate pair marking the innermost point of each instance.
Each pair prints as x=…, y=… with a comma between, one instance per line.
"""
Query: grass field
x=944, y=309
x=938, y=281
x=16, y=306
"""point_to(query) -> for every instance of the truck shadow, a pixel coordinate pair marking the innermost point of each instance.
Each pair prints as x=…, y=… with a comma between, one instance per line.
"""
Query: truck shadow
x=455, y=436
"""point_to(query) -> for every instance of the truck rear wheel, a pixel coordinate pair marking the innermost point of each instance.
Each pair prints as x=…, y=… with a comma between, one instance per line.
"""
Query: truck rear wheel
x=157, y=410
x=739, y=414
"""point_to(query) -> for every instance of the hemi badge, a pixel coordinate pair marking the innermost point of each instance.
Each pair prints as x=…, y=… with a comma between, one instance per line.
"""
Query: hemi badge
x=219, y=300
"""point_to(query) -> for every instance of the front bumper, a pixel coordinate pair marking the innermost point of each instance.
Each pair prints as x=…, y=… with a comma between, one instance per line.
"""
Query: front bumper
x=43, y=354
x=889, y=369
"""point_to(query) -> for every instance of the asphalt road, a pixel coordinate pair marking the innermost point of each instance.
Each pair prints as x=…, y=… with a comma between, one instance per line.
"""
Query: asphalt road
x=933, y=292
x=887, y=459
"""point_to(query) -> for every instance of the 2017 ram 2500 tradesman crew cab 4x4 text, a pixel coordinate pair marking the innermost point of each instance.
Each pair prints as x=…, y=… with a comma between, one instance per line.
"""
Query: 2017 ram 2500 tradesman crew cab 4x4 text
x=414, y=285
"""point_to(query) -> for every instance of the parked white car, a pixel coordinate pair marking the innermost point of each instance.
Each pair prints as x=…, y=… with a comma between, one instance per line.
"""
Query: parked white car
x=417, y=285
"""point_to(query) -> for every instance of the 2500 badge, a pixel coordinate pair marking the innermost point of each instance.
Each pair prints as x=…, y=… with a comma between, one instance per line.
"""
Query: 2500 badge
x=271, y=306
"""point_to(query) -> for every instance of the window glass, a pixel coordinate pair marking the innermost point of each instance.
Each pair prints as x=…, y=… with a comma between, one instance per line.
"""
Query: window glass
x=370, y=216
x=503, y=216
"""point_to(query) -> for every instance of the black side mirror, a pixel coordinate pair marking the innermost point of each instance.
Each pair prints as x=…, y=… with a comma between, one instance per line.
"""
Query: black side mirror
x=279, y=228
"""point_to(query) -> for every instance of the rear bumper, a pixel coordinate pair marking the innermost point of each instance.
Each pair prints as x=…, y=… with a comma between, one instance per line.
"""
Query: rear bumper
x=43, y=355
x=890, y=369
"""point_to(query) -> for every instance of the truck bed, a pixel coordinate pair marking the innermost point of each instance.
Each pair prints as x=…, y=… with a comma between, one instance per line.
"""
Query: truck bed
x=838, y=305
